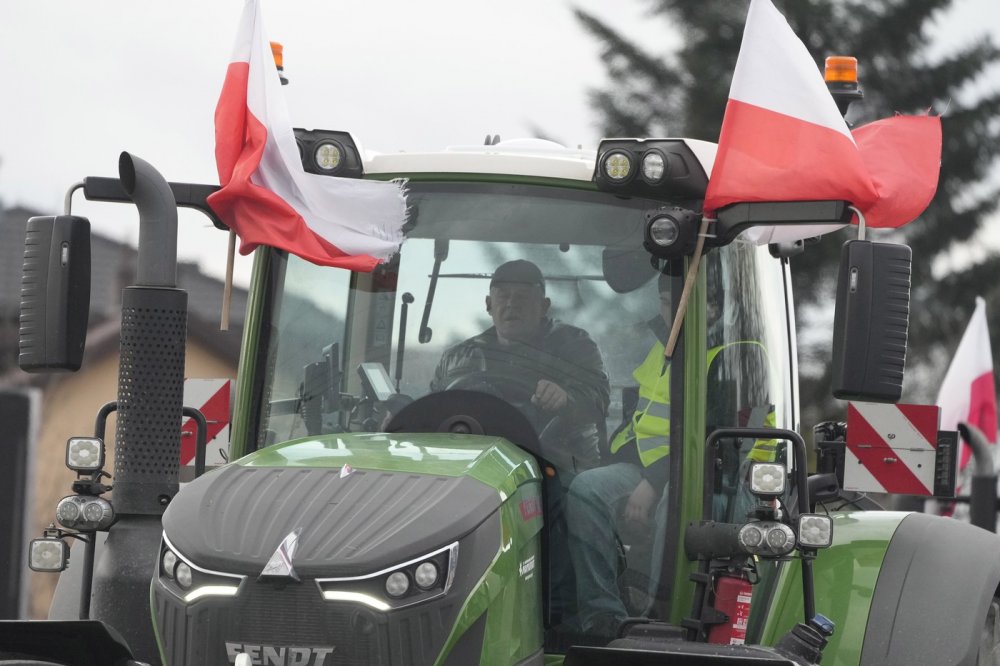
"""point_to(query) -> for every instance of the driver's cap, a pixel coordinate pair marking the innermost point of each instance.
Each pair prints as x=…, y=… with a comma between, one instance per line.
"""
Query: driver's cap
x=519, y=271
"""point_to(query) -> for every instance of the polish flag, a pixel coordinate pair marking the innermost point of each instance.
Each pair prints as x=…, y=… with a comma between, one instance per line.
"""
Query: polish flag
x=783, y=138
x=968, y=393
x=266, y=196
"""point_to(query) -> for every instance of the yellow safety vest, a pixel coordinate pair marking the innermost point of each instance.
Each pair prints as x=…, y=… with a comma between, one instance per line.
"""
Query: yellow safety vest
x=650, y=423
x=763, y=450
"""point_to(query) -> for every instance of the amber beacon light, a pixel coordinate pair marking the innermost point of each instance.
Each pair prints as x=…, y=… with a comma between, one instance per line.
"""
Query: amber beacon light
x=841, y=75
x=841, y=69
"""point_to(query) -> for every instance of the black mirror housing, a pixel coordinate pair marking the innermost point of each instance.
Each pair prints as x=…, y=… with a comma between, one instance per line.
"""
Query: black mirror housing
x=55, y=293
x=871, y=321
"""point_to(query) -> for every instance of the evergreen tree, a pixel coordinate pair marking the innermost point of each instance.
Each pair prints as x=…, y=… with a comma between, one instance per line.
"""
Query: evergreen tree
x=684, y=93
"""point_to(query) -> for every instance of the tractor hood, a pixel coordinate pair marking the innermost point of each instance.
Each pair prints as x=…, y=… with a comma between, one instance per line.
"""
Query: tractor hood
x=361, y=502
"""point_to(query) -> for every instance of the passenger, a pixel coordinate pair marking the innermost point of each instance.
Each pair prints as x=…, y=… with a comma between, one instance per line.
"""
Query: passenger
x=555, y=367
x=625, y=490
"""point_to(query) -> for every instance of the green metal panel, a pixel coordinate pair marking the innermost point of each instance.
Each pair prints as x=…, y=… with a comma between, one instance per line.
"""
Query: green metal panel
x=492, y=460
x=695, y=349
x=510, y=591
x=247, y=373
x=845, y=577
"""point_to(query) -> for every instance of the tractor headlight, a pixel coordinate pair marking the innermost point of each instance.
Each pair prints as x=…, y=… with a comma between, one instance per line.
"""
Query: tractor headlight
x=169, y=563
x=815, y=531
x=767, y=479
x=412, y=582
x=328, y=155
x=653, y=167
x=397, y=584
x=85, y=454
x=183, y=575
x=617, y=166
x=86, y=513
x=184, y=579
x=426, y=575
x=48, y=554
x=671, y=232
x=664, y=231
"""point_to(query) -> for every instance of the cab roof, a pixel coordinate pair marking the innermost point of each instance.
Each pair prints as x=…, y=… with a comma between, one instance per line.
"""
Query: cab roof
x=517, y=157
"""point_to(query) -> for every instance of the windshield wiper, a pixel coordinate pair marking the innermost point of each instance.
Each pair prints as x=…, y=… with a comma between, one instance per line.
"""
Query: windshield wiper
x=440, y=254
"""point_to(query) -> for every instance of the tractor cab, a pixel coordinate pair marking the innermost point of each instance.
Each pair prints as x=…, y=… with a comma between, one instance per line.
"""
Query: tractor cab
x=407, y=368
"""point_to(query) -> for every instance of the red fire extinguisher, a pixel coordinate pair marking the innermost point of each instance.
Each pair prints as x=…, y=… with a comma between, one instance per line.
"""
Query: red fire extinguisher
x=733, y=594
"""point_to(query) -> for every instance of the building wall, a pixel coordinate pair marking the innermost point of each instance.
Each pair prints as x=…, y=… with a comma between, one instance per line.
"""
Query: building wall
x=69, y=408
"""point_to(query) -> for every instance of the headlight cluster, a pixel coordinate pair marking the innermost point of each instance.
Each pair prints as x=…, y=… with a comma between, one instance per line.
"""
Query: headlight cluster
x=767, y=538
x=85, y=513
x=663, y=169
x=620, y=166
x=403, y=585
x=191, y=582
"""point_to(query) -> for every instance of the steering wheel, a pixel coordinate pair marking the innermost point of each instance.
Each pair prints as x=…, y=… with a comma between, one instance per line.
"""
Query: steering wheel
x=516, y=390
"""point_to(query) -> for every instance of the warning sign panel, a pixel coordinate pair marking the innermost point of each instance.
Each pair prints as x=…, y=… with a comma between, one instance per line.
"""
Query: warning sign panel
x=896, y=448
x=211, y=397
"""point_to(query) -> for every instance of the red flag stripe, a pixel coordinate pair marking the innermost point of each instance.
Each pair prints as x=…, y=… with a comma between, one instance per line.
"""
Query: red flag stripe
x=769, y=156
x=982, y=412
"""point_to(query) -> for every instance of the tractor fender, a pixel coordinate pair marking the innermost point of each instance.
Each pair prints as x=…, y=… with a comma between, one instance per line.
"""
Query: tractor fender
x=937, y=580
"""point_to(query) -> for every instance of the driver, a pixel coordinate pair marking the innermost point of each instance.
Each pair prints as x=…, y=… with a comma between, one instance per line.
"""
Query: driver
x=559, y=365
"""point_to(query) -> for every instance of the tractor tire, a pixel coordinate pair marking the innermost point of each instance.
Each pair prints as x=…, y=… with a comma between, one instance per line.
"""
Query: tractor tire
x=989, y=642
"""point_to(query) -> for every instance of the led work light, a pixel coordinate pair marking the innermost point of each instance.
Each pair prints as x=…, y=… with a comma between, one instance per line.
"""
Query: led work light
x=85, y=454
x=329, y=153
x=48, y=554
x=815, y=530
x=767, y=479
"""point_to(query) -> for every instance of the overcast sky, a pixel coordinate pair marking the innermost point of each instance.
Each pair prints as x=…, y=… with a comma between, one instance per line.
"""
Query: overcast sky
x=86, y=80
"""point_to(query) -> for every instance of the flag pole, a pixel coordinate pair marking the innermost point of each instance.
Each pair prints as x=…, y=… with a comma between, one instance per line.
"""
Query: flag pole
x=668, y=350
x=227, y=290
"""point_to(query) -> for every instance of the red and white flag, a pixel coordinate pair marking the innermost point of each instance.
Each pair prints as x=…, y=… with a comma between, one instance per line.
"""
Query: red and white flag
x=266, y=197
x=783, y=138
x=968, y=392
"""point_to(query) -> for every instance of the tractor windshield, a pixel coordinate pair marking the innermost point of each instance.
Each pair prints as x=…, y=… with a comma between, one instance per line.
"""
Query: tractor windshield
x=544, y=299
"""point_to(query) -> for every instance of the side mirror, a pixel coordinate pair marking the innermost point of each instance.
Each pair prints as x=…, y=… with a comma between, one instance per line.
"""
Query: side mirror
x=55, y=293
x=871, y=321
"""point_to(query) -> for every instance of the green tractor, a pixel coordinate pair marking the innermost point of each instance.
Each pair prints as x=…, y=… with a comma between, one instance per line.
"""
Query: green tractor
x=403, y=492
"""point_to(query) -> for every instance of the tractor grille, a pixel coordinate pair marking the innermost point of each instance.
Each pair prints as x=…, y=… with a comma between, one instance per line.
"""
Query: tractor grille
x=294, y=615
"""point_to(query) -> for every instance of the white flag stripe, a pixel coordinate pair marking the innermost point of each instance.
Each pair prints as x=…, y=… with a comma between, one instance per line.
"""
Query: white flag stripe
x=775, y=71
x=366, y=218
x=973, y=358
x=888, y=419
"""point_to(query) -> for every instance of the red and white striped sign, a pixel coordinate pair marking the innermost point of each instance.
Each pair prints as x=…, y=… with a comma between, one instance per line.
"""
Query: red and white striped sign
x=891, y=448
x=211, y=397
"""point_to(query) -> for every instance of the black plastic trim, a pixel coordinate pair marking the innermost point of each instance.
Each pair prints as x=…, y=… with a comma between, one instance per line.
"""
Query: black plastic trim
x=937, y=580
